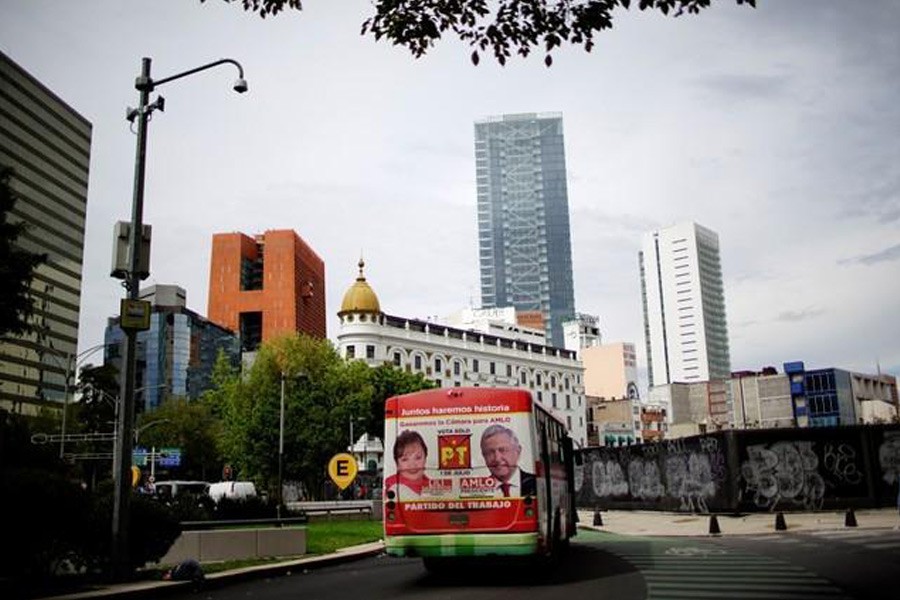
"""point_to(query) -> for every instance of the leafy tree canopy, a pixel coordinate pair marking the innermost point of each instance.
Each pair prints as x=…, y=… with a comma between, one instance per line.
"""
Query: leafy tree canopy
x=322, y=395
x=501, y=27
x=16, y=265
x=189, y=426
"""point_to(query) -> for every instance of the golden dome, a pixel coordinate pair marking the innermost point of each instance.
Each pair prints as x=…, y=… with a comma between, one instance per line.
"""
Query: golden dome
x=360, y=297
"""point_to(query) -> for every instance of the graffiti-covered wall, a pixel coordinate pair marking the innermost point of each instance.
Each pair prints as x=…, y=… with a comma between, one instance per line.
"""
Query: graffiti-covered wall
x=747, y=470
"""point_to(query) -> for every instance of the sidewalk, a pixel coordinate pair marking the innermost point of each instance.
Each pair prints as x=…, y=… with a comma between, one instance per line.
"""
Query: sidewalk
x=158, y=588
x=651, y=523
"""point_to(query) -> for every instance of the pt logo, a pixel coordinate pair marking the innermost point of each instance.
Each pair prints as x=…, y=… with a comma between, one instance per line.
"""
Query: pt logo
x=455, y=451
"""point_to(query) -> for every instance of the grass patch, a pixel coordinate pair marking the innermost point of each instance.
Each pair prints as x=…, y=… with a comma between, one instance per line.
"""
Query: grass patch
x=323, y=537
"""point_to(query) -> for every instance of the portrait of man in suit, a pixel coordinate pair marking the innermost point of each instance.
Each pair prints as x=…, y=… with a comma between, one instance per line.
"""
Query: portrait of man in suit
x=501, y=450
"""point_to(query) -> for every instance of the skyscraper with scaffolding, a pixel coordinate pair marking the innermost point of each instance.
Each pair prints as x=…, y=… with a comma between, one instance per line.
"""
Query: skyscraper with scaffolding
x=524, y=245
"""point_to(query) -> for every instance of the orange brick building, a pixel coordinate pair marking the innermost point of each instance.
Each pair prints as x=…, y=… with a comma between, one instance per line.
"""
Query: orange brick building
x=266, y=285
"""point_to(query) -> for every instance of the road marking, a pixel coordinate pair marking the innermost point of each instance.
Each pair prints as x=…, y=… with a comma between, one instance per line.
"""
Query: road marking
x=709, y=572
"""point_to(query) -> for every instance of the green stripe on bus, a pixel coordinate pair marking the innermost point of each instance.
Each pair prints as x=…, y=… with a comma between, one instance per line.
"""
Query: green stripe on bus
x=460, y=544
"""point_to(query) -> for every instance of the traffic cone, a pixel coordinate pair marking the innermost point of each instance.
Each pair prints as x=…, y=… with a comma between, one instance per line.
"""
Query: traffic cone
x=850, y=518
x=780, y=525
x=714, y=525
x=598, y=520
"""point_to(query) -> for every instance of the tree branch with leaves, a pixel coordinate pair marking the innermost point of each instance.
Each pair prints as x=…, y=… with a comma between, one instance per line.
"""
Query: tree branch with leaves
x=499, y=27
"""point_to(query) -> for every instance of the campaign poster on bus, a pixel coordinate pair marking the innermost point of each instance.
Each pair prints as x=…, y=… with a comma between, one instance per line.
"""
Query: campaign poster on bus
x=459, y=453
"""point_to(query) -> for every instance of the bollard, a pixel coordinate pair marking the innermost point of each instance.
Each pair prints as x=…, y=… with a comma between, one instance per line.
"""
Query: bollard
x=598, y=520
x=850, y=518
x=714, y=525
x=780, y=525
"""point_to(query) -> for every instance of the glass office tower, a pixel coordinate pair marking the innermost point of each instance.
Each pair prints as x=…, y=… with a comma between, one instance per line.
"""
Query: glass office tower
x=524, y=243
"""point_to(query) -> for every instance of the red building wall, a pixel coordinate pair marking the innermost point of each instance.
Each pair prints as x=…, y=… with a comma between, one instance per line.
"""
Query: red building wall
x=292, y=297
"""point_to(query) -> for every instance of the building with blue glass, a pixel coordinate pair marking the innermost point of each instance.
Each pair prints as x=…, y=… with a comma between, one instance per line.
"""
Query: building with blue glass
x=830, y=397
x=176, y=356
x=524, y=245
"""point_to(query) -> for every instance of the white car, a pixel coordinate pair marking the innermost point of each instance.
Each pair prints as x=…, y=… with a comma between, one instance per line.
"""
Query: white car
x=235, y=490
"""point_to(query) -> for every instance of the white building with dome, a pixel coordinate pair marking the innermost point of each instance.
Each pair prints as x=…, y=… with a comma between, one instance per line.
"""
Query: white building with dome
x=452, y=356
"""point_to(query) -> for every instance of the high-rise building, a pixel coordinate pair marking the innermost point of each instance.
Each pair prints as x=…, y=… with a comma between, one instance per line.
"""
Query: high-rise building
x=176, y=356
x=267, y=285
x=524, y=243
x=684, y=306
x=48, y=145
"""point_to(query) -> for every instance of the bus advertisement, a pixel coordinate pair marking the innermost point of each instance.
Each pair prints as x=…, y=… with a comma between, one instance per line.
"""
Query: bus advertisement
x=473, y=472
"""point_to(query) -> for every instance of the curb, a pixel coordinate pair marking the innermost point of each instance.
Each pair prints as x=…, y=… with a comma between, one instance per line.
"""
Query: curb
x=158, y=588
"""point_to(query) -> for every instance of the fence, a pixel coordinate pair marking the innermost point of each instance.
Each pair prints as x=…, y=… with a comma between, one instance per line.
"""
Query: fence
x=747, y=470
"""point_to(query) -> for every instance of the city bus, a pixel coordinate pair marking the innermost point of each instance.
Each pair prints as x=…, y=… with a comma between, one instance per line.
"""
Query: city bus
x=476, y=472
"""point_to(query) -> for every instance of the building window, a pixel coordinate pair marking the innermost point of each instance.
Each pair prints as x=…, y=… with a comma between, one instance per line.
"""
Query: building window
x=351, y=352
x=537, y=379
x=509, y=370
x=475, y=364
x=370, y=352
x=540, y=397
x=437, y=365
x=568, y=402
x=456, y=368
x=250, y=325
x=553, y=397
x=396, y=359
x=418, y=362
x=553, y=381
x=566, y=382
x=493, y=369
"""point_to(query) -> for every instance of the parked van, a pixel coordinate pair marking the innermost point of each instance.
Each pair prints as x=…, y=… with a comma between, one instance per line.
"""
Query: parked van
x=235, y=490
x=170, y=489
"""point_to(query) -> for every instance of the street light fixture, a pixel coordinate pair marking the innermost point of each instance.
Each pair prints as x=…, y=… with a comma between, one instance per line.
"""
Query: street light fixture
x=71, y=367
x=145, y=84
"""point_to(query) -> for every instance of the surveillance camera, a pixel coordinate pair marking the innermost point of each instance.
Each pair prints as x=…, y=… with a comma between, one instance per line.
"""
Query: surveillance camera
x=240, y=86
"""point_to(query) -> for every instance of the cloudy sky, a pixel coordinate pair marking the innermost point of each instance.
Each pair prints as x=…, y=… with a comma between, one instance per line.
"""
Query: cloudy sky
x=778, y=128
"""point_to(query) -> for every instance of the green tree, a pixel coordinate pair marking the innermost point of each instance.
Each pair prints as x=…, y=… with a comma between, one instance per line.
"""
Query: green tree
x=189, y=425
x=388, y=381
x=99, y=389
x=322, y=394
x=501, y=27
x=17, y=265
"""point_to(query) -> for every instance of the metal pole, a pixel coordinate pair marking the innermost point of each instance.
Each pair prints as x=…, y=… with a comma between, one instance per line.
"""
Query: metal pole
x=125, y=422
x=69, y=368
x=281, y=449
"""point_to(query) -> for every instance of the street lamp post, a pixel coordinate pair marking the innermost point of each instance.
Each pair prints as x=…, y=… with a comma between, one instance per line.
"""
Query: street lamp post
x=122, y=495
x=72, y=363
x=280, y=449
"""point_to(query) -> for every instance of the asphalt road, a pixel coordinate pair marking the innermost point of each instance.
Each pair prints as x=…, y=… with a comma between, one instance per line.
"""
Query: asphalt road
x=827, y=565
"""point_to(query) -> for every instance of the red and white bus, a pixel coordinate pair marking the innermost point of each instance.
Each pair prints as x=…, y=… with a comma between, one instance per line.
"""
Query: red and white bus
x=476, y=472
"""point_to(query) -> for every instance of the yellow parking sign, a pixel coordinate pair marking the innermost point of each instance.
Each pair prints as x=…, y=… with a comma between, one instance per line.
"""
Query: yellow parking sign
x=342, y=469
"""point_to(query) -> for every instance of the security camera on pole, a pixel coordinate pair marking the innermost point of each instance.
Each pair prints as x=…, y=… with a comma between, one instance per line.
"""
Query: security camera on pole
x=131, y=262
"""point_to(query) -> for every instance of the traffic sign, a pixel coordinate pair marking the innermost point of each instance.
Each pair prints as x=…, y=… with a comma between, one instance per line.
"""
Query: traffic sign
x=342, y=469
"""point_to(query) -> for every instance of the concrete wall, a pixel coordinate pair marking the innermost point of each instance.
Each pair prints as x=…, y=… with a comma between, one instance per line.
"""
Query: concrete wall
x=236, y=544
x=747, y=470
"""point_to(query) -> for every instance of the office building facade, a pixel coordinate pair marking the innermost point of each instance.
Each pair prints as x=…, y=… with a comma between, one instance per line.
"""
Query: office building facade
x=524, y=244
x=48, y=145
x=478, y=354
x=683, y=299
x=264, y=286
x=176, y=356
